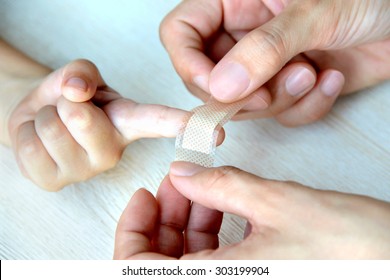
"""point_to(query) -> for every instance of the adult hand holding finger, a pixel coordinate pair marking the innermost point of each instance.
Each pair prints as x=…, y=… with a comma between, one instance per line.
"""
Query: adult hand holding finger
x=295, y=57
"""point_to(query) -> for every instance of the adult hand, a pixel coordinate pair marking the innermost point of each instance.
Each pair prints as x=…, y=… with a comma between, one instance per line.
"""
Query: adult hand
x=286, y=220
x=72, y=126
x=295, y=57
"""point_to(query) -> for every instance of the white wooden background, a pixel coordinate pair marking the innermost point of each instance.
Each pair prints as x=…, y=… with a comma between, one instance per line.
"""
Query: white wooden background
x=348, y=151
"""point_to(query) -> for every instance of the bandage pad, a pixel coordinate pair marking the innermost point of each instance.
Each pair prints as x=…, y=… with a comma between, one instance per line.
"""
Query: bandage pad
x=197, y=138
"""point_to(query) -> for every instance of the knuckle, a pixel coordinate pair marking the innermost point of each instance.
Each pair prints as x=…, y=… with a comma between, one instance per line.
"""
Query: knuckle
x=272, y=42
x=49, y=127
x=106, y=161
x=275, y=41
x=80, y=118
x=162, y=114
x=77, y=173
x=30, y=147
x=224, y=176
x=113, y=160
x=168, y=27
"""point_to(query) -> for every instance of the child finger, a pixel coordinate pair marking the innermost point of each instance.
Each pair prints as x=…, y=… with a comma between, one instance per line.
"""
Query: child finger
x=35, y=161
x=70, y=157
x=80, y=79
x=93, y=131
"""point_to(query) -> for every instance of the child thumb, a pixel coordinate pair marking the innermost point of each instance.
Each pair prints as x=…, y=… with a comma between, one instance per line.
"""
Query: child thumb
x=80, y=80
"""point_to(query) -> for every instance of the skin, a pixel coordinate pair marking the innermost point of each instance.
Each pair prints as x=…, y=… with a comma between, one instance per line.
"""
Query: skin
x=279, y=223
x=46, y=116
x=268, y=42
x=68, y=125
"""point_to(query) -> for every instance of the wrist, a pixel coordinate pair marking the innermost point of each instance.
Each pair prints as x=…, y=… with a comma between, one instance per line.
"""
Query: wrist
x=19, y=75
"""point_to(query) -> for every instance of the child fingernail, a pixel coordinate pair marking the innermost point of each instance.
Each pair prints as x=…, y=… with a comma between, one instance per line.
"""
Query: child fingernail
x=77, y=83
x=185, y=169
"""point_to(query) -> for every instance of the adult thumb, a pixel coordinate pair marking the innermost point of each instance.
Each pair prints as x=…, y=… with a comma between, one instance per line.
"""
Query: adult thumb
x=226, y=189
x=260, y=54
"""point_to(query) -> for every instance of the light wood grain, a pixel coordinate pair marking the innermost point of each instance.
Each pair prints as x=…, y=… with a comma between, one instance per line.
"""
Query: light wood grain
x=348, y=151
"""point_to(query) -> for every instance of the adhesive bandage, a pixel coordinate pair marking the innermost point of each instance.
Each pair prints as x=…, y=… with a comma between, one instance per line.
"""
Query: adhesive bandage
x=197, y=138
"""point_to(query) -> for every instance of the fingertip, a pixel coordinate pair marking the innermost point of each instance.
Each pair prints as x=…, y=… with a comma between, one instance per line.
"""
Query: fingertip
x=184, y=169
x=77, y=83
x=261, y=99
x=80, y=80
x=202, y=81
x=300, y=80
x=286, y=88
x=136, y=226
x=316, y=103
x=135, y=211
x=76, y=89
x=141, y=197
x=226, y=189
x=333, y=83
x=228, y=81
x=141, y=192
x=294, y=80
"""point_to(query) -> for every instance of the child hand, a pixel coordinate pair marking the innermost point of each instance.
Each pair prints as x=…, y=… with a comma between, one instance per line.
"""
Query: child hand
x=73, y=126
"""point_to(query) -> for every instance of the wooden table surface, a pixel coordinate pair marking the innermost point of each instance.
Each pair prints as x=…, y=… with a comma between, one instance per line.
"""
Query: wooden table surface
x=348, y=151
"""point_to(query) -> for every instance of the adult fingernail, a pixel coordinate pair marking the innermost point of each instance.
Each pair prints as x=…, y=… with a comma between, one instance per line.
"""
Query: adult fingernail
x=229, y=81
x=333, y=83
x=77, y=83
x=257, y=102
x=299, y=81
x=185, y=169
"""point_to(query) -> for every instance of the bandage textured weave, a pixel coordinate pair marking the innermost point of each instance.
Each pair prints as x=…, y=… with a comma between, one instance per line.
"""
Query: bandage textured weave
x=197, y=138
